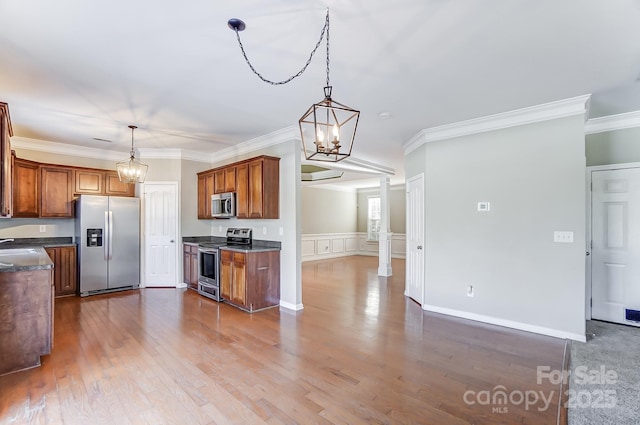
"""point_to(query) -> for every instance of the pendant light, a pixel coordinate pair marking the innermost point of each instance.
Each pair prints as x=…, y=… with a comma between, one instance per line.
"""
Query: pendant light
x=132, y=170
x=327, y=128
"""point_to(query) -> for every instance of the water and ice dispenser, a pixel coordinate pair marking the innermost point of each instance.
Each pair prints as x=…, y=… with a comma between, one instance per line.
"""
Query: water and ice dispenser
x=94, y=237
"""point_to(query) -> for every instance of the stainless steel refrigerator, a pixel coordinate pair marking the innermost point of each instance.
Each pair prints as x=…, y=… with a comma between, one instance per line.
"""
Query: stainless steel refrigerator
x=108, y=239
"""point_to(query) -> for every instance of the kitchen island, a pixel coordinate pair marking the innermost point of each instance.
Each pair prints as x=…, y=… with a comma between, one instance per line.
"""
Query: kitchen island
x=26, y=307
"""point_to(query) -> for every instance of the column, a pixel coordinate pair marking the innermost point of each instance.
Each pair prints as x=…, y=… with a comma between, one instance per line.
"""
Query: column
x=384, y=251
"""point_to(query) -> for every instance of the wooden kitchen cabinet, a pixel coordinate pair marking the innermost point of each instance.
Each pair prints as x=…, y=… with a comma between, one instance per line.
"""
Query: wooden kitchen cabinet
x=114, y=187
x=218, y=179
x=230, y=179
x=101, y=182
x=64, y=259
x=263, y=188
x=250, y=280
x=89, y=182
x=205, y=190
x=26, y=188
x=242, y=190
x=6, y=175
x=56, y=185
x=255, y=181
x=26, y=310
x=190, y=265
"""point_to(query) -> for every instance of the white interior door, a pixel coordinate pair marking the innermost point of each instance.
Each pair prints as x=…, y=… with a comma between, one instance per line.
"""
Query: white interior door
x=615, y=262
x=160, y=234
x=414, y=286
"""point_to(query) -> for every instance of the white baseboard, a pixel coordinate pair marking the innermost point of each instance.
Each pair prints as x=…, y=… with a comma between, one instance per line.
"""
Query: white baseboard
x=321, y=246
x=506, y=323
x=290, y=306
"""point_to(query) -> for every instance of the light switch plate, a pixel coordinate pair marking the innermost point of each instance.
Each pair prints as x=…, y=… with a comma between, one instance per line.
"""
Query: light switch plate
x=484, y=206
x=43, y=228
x=562, y=237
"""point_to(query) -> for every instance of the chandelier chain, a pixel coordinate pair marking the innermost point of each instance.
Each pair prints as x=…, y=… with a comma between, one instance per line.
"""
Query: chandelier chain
x=325, y=30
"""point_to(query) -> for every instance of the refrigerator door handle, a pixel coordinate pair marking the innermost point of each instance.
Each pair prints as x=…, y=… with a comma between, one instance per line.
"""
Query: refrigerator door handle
x=105, y=245
x=110, y=234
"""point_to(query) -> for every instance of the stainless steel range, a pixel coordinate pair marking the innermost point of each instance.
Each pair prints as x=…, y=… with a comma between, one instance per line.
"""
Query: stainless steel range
x=209, y=261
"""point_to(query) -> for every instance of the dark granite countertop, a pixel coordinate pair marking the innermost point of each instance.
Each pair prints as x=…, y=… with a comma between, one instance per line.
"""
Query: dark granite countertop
x=197, y=240
x=17, y=259
x=256, y=246
x=37, y=242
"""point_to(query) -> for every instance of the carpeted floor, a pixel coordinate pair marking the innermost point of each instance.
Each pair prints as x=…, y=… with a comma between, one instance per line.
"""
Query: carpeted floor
x=604, y=386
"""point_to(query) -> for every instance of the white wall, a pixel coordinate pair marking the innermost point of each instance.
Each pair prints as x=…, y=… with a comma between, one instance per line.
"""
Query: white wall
x=613, y=147
x=287, y=228
x=533, y=176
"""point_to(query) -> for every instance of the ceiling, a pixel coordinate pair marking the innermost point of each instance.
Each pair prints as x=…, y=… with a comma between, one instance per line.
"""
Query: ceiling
x=79, y=72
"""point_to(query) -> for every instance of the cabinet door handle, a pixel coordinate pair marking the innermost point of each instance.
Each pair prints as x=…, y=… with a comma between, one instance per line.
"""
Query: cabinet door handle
x=263, y=268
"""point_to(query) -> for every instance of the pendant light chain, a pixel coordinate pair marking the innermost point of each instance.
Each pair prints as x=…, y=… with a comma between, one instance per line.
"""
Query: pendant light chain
x=327, y=26
x=325, y=29
x=132, y=127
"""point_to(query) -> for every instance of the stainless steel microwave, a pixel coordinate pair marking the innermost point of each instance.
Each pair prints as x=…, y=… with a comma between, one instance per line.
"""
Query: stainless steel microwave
x=223, y=205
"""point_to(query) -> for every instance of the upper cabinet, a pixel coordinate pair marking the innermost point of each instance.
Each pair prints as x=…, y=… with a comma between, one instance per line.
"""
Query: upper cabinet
x=258, y=188
x=5, y=161
x=230, y=179
x=56, y=192
x=205, y=190
x=90, y=181
x=256, y=183
x=48, y=190
x=26, y=188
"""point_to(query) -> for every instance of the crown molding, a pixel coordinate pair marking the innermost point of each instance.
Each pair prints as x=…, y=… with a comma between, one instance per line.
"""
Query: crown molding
x=533, y=114
x=65, y=149
x=261, y=142
x=88, y=152
x=612, y=122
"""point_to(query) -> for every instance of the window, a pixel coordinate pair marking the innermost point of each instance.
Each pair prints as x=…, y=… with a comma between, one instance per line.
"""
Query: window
x=373, y=218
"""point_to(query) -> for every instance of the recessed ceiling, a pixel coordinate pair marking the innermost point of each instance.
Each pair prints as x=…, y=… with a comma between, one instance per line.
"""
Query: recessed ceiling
x=73, y=72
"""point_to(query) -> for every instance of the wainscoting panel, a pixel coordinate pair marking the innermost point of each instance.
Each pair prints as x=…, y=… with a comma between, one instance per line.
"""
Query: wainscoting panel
x=331, y=245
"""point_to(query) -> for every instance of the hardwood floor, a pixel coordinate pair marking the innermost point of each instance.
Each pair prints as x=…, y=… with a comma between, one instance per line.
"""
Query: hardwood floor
x=359, y=353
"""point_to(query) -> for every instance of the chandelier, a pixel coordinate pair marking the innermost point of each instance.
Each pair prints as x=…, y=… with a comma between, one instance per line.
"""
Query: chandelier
x=327, y=128
x=132, y=170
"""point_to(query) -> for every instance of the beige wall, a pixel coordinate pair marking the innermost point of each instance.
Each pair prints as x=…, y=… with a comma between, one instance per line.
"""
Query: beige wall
x=328, y=211
x=396, y=211
x=189, y=223
x=534, y=177
x=613, y=147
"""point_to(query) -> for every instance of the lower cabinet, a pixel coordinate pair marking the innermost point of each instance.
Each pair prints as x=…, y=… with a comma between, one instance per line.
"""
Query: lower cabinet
x=190, y=265
x=65, y=280
x=250, y=280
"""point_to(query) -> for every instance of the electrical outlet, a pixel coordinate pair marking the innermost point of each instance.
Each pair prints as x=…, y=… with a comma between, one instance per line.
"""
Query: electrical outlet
x=264, y=230
x=470, y=291
x=220, y=228
x=563, y=237
x=281, y=230
x=43, y=228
